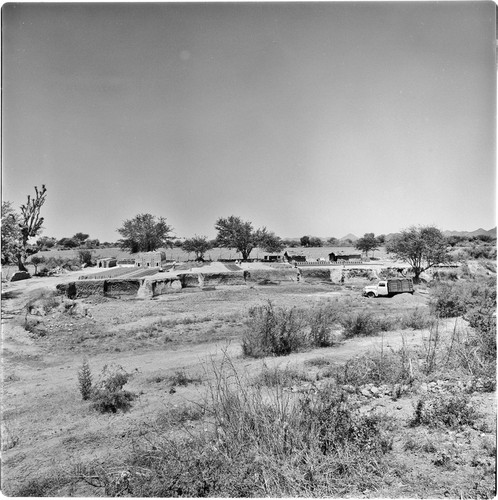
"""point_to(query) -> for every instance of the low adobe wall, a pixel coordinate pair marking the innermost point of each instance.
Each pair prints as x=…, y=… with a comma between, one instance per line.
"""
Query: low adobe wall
x=310, y=275
x=121, y=287
x=269, y=276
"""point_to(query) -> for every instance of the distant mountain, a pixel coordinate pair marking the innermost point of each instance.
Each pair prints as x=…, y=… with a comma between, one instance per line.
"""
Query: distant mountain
x=349, y=236
x=477, y=232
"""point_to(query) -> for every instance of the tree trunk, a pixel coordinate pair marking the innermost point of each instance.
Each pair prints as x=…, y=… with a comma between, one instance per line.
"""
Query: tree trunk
x=20, y=263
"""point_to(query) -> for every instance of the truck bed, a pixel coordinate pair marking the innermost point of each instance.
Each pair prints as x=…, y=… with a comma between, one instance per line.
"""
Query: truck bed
x=400, y=285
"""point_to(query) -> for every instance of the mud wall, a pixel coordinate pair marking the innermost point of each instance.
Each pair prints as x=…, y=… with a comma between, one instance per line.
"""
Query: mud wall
x=272, y=276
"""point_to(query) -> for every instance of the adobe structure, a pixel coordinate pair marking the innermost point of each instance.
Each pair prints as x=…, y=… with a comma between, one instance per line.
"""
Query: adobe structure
x=333, y=257
x=150, y=259
x=107, y=262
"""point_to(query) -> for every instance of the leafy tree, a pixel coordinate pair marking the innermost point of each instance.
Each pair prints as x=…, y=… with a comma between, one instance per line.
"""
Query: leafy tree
x=92, y=243
x=36, y=261
x=421, y=247
x=11, y=233
x=305, y=241
x=333, y=241
x=381, y=239
x=315, y=242
x=145, y=233
x=68, y=242
x=269, y=242
x=178, y=243
x=198, y=245
x=81, y=237
x=46, y=242
x=233, y=232
x=369, y=243
x=85, y=257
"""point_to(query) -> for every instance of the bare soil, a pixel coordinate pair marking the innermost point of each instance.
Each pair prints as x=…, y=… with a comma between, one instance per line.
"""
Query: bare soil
x=48, y=430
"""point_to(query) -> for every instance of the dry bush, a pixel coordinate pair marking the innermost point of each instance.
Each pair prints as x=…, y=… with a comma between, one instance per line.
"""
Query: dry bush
x=265, y=442
x=417, y=319
x=382, y=367
x=321, y=320
x=108, y=395
x=273, y=331
x=284, y=377
x=366, y=323
x=450, y=410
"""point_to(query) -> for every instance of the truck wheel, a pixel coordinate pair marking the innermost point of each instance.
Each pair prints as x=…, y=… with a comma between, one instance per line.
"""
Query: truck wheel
x=370, y=295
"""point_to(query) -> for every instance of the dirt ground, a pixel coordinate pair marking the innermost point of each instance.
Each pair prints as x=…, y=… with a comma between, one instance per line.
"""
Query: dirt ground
x=46, y=427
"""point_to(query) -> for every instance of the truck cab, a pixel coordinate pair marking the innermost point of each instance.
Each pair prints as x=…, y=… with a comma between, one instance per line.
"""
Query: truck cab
x=389, y=287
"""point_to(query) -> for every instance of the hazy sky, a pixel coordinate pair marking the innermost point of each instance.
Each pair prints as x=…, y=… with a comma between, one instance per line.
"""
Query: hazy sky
x=308, y=118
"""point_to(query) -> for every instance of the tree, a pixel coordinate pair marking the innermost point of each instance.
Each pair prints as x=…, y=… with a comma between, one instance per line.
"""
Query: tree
x=421, y=247
x=36, y=261
x=46, y=242
x=333, y=241
x=29, y=224
x=198, y=244
x=68, y=242
x=368, y=243
x=233, y=232
x=268, y=241
x=11, y=233
x=81, y=237
x=305, y=241
x=145, y=233
x=315, y=242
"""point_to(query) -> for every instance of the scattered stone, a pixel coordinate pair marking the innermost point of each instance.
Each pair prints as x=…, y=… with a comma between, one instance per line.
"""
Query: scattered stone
x=365, y=392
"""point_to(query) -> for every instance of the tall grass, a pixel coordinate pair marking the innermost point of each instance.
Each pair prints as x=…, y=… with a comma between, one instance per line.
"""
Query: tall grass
x=264, y=441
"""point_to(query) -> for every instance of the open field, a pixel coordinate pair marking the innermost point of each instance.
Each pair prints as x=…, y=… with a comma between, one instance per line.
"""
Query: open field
x=183, y=358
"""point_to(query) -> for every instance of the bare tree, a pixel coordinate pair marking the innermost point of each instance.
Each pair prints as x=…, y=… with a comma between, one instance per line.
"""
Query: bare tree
x=30, y=223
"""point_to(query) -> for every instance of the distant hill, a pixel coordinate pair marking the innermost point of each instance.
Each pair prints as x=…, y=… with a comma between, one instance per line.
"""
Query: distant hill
x=349, y=236
x=477, y=232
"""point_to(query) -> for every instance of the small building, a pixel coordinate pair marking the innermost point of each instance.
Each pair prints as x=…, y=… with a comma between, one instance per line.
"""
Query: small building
x=272, y=258
x=336, y=257
x=294, y=258
x=126, y=263
x=107, y=262
x=150, y=259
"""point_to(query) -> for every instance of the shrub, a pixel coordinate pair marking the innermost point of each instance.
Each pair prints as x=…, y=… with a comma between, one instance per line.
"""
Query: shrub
x=85, y=257
x=85, y=380
x=365, y=323
x=417, y=319
x=384, y=367
x=284, y=377
x=450, y=410
x=321, y=320
x=180, y=377
x=273, y=331
x=108, y=394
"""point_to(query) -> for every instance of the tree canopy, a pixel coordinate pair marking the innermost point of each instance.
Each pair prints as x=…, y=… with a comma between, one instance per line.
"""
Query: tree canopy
x=368, y=243
x=145, y=233
x=11, y=233
x=421, y=247
x=233, y=232
x=198, y=245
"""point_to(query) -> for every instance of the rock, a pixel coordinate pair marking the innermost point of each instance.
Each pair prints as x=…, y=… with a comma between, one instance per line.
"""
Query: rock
x=423, y=387
x=365, y=392
x=349, y=388
x=20, y=275
x=374, y=390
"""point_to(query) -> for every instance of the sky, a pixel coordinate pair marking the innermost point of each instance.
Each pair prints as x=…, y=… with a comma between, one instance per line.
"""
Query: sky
x=308, y=118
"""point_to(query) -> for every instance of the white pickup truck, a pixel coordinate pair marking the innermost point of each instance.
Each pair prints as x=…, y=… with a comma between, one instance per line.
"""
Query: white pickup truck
x=389, y=287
